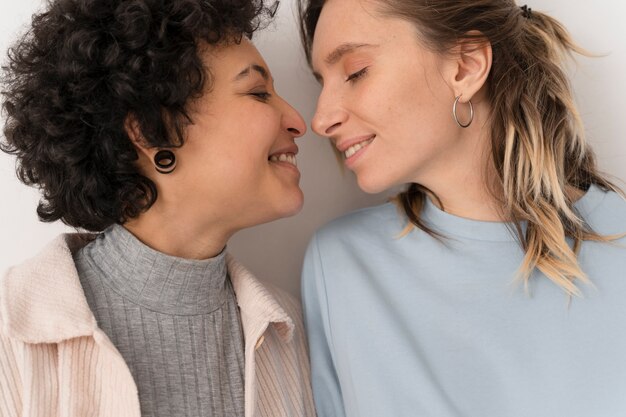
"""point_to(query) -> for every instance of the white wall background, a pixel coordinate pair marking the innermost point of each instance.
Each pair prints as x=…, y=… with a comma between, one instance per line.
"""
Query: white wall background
x=274, y=251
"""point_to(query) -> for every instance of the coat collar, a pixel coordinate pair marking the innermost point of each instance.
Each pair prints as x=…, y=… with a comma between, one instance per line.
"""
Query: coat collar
x=42, y=301
x=258, y=304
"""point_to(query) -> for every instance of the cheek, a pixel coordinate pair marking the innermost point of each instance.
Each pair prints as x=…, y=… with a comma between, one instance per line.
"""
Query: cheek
x=245, y=146
x=256, y=128
x=247, y=133
x=388, y=98
x=416, y=110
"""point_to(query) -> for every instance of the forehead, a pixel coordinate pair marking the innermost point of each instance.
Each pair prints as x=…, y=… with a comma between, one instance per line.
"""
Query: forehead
x=355, y=22
x=340, y=19
x=225, y=58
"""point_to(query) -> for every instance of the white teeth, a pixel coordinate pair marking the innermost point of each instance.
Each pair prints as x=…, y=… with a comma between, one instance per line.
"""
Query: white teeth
x=357, y=147
x=284, y=157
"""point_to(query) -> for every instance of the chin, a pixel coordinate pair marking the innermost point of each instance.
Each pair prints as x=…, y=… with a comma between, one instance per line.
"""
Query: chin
x=372, y=184
x=292, y=204
x=288, y=205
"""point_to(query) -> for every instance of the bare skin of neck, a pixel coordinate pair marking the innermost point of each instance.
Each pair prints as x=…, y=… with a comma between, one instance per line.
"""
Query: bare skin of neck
x=166, y=229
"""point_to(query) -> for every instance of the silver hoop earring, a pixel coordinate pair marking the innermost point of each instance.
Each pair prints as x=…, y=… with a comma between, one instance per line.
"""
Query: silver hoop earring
x=456, y=118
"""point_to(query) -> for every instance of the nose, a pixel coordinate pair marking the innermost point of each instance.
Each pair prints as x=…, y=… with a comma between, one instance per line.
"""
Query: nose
x=329, y=115
x=292, y=121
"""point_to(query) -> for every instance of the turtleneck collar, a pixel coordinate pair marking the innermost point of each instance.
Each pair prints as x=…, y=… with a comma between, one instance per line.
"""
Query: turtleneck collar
x=157, y=281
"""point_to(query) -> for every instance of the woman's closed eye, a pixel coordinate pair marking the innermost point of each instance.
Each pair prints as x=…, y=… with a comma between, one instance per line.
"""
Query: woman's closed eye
x=261, y=95
x=356, y=75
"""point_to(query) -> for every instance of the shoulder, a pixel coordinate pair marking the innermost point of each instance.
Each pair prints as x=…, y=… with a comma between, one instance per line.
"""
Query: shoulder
x=260, y=299
x=41, y=299
x=19, y=279
x=382, y=220
x=57, y=253
x=54, y=260
x=604, y=211
x=347, y=245
x=288, y=302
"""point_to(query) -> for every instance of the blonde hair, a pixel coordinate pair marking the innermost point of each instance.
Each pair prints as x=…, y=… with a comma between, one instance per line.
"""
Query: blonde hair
x=538, y=147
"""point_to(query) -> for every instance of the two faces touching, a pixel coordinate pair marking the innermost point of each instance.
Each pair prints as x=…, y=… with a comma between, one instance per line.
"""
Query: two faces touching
x=385, y=104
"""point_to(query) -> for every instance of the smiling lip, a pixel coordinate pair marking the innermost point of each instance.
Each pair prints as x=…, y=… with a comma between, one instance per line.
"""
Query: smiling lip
x=344, y=145
x=291, y=149
x=353, y=149
x=286, y=158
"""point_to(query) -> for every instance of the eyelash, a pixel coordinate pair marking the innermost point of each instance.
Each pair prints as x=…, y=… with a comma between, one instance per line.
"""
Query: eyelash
x=264, y=96
x=355, y=76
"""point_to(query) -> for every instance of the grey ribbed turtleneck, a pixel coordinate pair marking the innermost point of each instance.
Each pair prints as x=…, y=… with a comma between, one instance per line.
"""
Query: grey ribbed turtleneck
x=175, y=321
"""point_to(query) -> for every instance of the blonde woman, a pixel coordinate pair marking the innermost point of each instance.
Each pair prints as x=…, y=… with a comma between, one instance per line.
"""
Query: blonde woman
x=467, y=103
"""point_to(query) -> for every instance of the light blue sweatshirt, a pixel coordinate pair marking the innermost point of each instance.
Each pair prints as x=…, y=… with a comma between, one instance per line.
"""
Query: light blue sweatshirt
x=412, y=327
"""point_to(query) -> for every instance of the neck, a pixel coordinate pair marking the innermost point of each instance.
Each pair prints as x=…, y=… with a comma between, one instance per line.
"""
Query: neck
x=172, y=232
x=461, y=176
x=469, y=199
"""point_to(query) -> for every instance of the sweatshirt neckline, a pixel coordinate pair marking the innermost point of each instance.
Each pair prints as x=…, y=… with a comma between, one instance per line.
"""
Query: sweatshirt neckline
x=452, y=225
x=155, y=280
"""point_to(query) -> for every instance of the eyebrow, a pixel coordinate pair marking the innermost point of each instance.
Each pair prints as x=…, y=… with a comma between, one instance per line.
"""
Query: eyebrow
x=343, y=49
x=340, y=51
x=248, y=70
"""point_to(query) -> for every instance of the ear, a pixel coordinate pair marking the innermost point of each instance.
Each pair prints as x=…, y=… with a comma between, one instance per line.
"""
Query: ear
x=471, y=66
x=133, y=131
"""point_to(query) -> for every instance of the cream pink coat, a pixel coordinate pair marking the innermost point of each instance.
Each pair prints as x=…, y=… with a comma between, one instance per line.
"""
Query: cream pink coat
x=56, y=362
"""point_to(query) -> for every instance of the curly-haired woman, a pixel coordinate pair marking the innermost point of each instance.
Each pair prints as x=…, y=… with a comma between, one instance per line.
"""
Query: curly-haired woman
x=467, y=102
x=155, y=124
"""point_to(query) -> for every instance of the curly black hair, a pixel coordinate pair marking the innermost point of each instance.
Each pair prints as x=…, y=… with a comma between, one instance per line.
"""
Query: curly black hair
x=84, y=66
